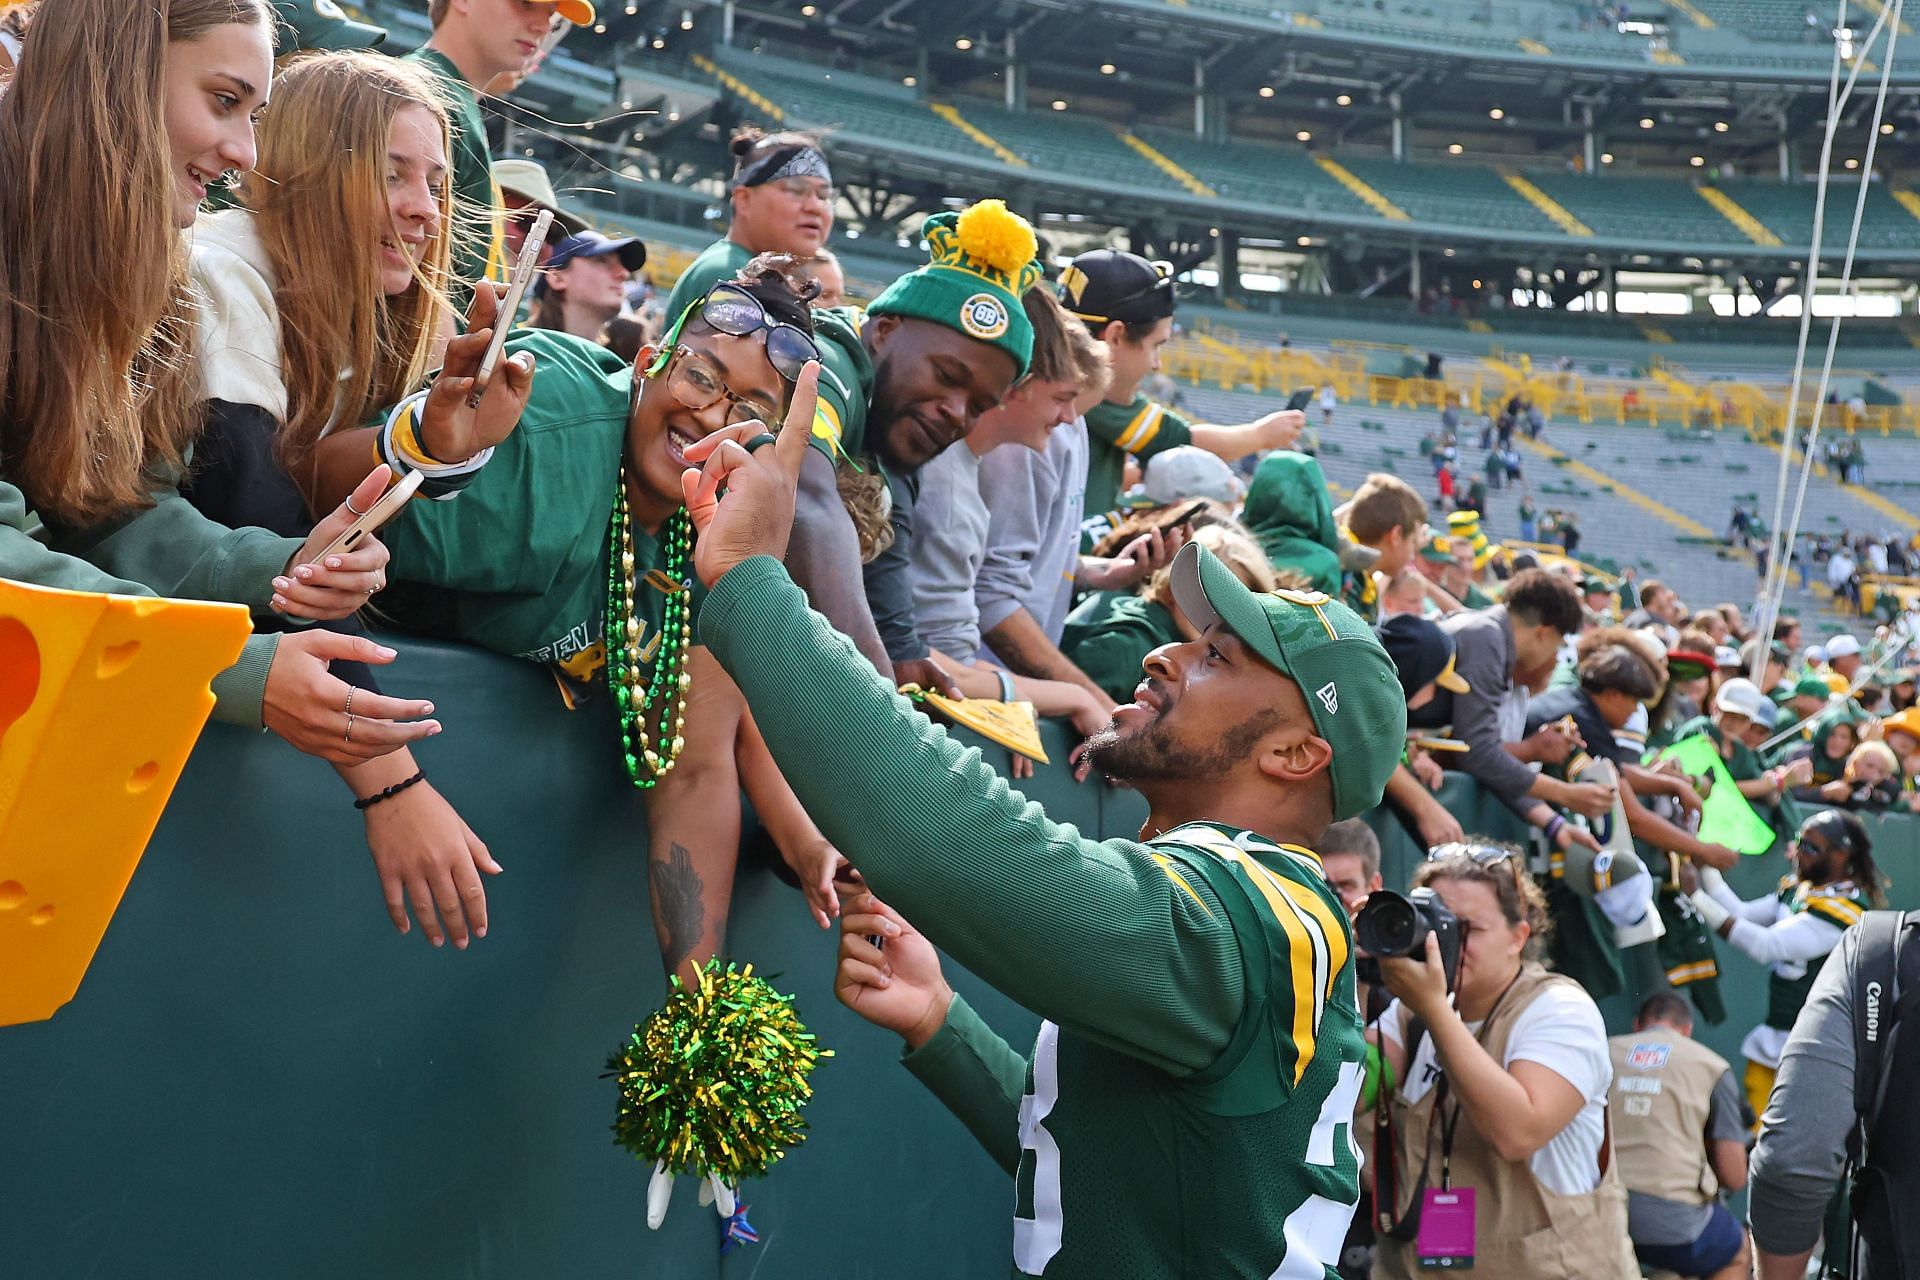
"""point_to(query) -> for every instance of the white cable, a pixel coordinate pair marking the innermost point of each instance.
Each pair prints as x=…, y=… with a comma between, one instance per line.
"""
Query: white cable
x=1781, y=544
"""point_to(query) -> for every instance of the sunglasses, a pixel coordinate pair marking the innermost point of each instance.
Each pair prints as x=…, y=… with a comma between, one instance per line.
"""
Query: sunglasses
x=733, y=311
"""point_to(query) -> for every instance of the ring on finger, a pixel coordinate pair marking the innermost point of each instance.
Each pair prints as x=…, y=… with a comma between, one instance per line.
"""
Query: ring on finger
x=756, y=443
x=355, y=510
x=348, y=735
x=351, y=690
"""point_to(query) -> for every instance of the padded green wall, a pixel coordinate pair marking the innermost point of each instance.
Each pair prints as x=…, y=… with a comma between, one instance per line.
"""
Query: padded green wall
x=259, y=1077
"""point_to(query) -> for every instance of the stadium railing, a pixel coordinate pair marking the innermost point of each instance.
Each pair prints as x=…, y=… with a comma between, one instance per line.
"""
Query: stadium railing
x=259, y=1075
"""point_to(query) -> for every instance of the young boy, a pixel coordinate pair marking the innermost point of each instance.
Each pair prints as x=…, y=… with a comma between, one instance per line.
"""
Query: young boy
x=1389, y=517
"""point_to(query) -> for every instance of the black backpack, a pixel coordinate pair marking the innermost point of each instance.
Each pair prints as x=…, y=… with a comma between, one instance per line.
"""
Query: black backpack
x=1886, y=992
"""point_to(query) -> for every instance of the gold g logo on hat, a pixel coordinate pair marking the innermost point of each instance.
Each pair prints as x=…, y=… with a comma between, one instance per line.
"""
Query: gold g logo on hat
x=984, y=316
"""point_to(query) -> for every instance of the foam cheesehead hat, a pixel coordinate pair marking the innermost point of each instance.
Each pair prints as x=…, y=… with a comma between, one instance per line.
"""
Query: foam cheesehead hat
x=1466, y=524
x=982, y=261
x=1349, y=683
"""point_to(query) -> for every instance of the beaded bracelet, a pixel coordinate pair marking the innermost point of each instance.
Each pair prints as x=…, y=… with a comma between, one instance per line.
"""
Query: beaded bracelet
x=390, y=792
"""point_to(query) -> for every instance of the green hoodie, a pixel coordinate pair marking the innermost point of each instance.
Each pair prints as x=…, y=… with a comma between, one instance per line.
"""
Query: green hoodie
x=1291, y=514
x=1826, y=768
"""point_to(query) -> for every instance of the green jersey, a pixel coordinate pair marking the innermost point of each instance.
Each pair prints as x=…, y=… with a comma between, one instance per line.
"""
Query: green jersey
x=479, y=237
x=517, y=561
x=719, y=261
x=1116, y=432
x=846, y=382
x=1840, y=904
x=1187, y=1106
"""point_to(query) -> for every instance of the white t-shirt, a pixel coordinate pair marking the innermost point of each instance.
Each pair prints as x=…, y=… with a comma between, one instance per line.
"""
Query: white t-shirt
x=1562, y=1031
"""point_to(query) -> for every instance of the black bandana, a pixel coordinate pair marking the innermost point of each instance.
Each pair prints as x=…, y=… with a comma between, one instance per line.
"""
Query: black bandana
x=786, y=162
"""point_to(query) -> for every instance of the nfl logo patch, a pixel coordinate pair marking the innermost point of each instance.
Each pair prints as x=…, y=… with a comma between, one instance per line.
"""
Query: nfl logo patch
x=1648, y=1057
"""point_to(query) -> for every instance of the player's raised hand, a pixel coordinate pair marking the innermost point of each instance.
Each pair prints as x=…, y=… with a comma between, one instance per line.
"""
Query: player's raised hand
x=897, y=984
x=741, y=498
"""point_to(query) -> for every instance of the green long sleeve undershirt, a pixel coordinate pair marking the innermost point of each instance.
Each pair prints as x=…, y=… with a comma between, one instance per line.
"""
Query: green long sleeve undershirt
x=1094, y=936
x=977, y=1076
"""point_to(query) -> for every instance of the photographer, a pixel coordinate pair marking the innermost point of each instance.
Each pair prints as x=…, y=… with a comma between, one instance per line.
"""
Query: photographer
x=1506, y=1094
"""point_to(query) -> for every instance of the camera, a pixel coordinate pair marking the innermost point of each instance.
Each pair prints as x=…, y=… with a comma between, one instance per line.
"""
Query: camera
x=1393, y=924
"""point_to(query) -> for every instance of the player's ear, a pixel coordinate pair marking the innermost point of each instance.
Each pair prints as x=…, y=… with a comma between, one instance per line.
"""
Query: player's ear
x=1296, y=761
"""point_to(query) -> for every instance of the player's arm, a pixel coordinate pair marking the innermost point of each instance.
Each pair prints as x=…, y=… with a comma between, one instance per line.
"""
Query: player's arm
x=1095, y=936
x=1805, y=935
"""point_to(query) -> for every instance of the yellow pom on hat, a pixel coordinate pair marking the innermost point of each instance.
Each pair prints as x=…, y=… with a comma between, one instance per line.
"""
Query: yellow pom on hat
x=991, y=233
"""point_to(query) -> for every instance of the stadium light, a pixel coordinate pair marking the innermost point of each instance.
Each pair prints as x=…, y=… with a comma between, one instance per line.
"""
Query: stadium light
x=910, y=81
x=963, y=44
x=1496, y=114
x=1303, y=136
x=807, y=11
x=632, y=8
x=1646, y=122
x=1696, y=161
x=1059, y=104
x=1266, y=91
x=599, y=28
x=1886, y=128
x=1720, y=126
x=1606, y=157
x=686, y=19
x=1454, y=149
x=1304, y=241
x=1344, y=100
x=1852, y=163
x=1107, y=68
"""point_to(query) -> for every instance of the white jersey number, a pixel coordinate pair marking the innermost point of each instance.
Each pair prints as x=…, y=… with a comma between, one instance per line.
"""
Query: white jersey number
x=1316, y=1230
x=1037, y=1239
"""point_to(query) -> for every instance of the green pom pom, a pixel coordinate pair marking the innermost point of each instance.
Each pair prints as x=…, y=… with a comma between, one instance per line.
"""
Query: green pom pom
x=715, y=1081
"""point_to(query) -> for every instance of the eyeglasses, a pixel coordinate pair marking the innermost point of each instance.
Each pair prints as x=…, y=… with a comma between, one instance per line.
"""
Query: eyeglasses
x=733, y=311
x=805, y=188
x=698, y=385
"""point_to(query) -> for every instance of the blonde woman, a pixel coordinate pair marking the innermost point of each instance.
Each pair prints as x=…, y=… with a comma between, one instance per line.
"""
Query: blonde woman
x=322, y=301
x=119, y=122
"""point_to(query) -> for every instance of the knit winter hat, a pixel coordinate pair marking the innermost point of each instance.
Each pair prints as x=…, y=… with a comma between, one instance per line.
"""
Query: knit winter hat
x=983, y=260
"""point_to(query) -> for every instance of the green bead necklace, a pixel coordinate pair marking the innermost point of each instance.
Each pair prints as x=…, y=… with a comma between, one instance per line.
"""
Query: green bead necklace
x=636, y=695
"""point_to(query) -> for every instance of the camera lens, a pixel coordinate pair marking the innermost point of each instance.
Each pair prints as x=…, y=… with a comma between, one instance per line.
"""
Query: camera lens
x=1388, y=925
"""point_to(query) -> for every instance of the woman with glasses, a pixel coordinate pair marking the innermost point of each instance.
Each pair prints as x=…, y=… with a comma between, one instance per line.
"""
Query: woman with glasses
x=781, y=196
x=564, y=541
x=1500, y=1089
x=1794, y=929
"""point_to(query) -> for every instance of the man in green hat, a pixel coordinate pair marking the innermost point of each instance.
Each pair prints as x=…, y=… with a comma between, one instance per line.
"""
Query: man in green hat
x=322, y=24
x=1197, y=984
x=900, y=382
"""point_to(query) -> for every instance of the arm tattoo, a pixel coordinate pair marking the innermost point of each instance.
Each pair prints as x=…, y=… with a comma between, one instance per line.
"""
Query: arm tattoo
x=1025, y=658
x=676, y=905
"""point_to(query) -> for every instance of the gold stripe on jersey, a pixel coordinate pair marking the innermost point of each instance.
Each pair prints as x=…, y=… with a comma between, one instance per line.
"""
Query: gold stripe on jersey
x=1316, y=944
x=1841, y=911
x=1166, y=865
x=1140, y=432
x=1694, y=971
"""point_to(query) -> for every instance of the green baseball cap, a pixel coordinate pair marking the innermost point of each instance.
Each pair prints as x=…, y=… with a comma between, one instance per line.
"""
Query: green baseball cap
x=1810, y=687
x=323, y=24
x=1350, y=685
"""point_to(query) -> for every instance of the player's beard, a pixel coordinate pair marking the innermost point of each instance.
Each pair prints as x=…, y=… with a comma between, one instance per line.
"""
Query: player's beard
x=1155, y=753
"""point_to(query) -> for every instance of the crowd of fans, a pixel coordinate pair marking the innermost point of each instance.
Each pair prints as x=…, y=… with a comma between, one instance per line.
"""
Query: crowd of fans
x=989, y=511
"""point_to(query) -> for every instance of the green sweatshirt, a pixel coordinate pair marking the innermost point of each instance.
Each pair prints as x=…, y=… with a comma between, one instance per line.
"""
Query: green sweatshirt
x=479, y=243
x=1290, y=513
x=168, y=549
x=1187, y=1104
x=1111, y=633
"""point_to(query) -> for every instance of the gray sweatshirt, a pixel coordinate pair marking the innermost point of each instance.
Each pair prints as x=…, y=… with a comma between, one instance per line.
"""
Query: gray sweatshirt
x=1803, y=1136
x=1035, y=503
x=950, y=539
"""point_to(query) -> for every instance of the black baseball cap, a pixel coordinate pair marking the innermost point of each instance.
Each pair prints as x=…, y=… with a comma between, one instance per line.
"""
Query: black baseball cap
x=1422, y=654
x=1103, y=285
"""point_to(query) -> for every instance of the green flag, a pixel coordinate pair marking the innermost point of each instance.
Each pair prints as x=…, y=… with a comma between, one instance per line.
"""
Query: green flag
x=1726, y=818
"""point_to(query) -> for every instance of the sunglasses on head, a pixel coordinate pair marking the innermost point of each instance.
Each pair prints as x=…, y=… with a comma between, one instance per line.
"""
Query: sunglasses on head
x=731, y=310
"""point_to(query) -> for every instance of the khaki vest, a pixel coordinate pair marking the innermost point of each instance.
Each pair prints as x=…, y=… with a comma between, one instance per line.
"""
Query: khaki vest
x=1522, y=1231
x=1662, y=1089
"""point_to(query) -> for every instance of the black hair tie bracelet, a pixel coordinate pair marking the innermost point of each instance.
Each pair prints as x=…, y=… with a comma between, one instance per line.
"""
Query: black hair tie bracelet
x=390, y=792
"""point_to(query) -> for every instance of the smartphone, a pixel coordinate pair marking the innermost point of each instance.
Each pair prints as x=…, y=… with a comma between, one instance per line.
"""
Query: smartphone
x=509, y=306
x=384, y=508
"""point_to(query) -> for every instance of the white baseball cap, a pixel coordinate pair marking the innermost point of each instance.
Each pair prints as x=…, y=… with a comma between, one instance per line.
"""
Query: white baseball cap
x=1727, y=656
x=1741, y=697
x=1184, y=472
x=1842, y=646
